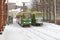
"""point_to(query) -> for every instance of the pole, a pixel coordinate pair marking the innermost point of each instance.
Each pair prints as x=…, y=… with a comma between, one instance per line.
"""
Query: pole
x=49, y=10
x=54, y=9
x=7, y=11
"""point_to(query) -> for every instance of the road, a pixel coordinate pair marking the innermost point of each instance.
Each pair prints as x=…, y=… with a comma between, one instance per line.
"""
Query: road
x=48, y=31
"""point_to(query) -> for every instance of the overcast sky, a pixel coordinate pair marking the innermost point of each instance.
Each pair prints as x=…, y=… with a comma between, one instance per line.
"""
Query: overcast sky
x=18, y=2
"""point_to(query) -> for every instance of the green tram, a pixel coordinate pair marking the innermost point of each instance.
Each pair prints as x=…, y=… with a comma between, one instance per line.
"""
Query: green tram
x=24, y=18
x=37, y=18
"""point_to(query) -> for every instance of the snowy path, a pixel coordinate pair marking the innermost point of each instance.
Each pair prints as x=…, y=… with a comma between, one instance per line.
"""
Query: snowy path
x=46, y=32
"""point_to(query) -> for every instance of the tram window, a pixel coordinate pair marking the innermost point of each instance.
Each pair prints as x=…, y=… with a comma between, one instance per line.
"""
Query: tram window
x=27, y=15
x=38, y=15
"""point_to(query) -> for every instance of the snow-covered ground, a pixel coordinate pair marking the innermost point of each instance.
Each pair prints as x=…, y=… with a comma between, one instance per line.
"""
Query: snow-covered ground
x=48, y=31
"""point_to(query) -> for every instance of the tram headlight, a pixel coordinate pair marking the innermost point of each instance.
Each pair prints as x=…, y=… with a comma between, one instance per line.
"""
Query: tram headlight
x=29, y=22
x=24, y=22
